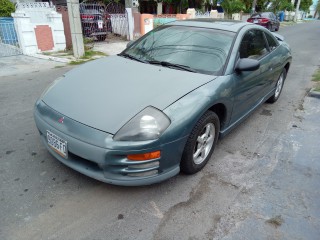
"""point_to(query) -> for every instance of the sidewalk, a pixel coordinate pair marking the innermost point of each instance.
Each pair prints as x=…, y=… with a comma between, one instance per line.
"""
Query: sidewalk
x=111, y=48
x=21, y=64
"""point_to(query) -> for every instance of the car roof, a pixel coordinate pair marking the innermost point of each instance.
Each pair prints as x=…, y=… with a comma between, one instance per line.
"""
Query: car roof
x=261, y=13
x=227, y=25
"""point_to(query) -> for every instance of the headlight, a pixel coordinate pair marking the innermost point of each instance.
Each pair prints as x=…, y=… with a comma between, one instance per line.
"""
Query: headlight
x=149, y=124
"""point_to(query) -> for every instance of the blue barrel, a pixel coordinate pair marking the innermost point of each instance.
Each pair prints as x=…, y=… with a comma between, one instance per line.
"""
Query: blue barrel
x=8, y=33
x=281, y=16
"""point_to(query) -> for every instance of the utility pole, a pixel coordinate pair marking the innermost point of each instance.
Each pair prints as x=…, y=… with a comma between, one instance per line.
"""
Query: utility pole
x=129, y=8
x=253, y=9
x=297, y=9
x=75, y=27
x=128, y=3
x=132, y=4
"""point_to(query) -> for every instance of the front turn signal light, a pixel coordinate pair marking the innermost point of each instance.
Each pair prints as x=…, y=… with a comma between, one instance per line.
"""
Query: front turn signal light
x=144, y=156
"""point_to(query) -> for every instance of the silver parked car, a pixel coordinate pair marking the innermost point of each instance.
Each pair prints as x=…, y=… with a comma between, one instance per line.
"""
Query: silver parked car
x=160, y=106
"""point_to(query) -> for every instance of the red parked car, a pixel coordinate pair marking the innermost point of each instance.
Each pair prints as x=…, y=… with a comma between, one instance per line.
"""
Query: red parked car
x=265, y=19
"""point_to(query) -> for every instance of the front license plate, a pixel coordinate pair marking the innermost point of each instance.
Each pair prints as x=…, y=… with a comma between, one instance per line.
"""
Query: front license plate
x=57, y=144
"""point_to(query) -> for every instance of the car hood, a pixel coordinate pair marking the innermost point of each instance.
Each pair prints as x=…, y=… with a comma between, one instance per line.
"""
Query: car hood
x=107, y=93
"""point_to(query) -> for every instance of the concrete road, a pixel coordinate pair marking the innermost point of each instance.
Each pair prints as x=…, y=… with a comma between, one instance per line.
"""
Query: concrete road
x=262, y=182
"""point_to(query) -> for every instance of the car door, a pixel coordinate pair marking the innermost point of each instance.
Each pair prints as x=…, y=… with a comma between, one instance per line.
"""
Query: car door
x=275, y=58
x=251, y=86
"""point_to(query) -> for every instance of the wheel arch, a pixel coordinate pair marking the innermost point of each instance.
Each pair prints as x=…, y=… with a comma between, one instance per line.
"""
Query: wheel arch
x=287, y=66
x=221, y=110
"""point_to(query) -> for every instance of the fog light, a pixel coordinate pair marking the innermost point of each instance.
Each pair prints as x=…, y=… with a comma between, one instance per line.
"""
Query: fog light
x=144, y=165
x=143, y=174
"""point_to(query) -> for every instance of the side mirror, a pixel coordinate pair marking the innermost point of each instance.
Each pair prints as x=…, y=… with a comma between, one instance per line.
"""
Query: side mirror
x=247, y=64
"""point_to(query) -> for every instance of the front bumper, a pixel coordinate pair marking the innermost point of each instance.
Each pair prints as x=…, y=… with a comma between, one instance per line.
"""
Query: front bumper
x=94, y=153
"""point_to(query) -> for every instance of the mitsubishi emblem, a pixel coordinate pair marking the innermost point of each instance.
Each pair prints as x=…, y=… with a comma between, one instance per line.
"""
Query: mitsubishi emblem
x=61, y=120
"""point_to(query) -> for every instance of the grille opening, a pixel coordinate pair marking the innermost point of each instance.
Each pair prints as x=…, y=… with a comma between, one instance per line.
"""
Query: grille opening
x=83, y=161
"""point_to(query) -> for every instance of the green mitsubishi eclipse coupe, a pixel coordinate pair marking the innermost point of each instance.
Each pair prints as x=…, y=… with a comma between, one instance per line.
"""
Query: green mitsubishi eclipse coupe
x=160, y=106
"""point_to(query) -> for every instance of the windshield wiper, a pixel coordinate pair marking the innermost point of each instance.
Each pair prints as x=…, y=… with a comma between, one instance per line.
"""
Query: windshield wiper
x=126, y=55
x=168, y=64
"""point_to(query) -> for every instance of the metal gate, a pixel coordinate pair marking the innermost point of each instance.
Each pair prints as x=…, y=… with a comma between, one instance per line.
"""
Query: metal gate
x=98, y=20
x=9, y=45
x=200, y=14
x=93, y=20
x=118, y=16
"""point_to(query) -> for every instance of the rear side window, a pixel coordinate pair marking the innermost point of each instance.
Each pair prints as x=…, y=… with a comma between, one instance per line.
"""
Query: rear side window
x=272, y=16
x=253, y=45
x=273, y=44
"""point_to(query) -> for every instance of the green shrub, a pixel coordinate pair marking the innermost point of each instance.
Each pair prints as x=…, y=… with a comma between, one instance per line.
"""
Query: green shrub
x=288, y=7
x=233, y=6
x=316, y=76
x=6, y=8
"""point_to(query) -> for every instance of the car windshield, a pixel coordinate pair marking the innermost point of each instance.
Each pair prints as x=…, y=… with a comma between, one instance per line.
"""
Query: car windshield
x=189, y=48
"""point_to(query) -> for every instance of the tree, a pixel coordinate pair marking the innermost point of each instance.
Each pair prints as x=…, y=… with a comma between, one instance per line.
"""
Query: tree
x=317, y=9
x=232, y=6
x=289, y=7
x=305, y=5
x=278, y=5
x=6, y=8
x=195, y=4
x=262, y=5
x=247, y=4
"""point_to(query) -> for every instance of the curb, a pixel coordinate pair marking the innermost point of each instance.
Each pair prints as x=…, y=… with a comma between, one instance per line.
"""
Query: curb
x=313, y=93
x=56, y=59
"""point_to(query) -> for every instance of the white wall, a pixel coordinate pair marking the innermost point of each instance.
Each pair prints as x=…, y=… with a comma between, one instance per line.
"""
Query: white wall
x=30, y=15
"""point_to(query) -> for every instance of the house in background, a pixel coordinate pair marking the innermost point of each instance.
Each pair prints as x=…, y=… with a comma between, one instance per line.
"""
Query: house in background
x=312, y=9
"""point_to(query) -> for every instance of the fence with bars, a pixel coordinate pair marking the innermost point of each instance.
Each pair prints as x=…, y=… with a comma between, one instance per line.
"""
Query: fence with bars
x=9, y=44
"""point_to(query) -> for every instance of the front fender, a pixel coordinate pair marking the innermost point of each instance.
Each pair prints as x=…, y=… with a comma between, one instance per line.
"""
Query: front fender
x=186, y=112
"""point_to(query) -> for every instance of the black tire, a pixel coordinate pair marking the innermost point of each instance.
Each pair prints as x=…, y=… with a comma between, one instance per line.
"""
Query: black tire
x=269, y=27
x=202, y=139
x=279, y=87
x=277, y=29
x=101, y=37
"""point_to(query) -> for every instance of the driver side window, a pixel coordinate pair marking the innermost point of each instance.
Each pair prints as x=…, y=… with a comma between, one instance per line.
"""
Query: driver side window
x=253, y=45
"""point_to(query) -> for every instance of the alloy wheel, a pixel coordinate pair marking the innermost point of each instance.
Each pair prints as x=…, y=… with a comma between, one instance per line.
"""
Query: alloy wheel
x=204, y=143
x=279, y=86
